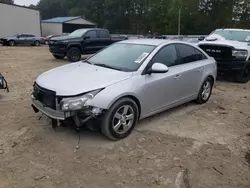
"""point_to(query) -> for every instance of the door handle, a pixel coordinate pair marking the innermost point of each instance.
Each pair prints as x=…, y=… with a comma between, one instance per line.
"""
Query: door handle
x=200, y=69
x=177, y=76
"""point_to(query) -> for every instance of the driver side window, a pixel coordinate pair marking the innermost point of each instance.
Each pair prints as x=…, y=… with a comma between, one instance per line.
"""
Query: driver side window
x=91, y=34
x=167, y=55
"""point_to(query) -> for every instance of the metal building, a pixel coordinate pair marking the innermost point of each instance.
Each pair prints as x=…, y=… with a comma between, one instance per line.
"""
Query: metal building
x=16, y=19
x=62, y=25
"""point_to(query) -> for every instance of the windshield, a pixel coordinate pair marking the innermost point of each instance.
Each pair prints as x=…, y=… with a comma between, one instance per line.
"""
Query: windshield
x=122, y=56
x=243, y=36
x=78, y=33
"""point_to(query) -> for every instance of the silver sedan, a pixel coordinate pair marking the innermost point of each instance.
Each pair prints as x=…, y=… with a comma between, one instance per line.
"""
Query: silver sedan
x=126, y=82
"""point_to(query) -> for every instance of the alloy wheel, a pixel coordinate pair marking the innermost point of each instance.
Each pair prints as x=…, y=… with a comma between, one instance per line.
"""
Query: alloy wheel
x=123, y=119
x=206, y=90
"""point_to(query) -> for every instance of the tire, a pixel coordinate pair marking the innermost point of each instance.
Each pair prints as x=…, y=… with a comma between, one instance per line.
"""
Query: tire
x=244, y=76
x=205, y=91
x=58, y=56
x=46, y=42
x=12, y=43
x=116, y=115
x=74, y=54
x=37, y=43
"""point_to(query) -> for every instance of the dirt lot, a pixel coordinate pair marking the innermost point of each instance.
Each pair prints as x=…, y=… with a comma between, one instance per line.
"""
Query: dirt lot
x=191, y=146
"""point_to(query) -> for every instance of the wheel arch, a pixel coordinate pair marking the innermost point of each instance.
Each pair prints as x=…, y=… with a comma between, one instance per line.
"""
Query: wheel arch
x=134, y=98
x=75, y=45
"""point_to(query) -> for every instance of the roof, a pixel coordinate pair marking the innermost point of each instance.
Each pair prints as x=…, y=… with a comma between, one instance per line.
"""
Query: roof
x=153, y=42
x=64, y=19
x=233, y=29
x=20, y=6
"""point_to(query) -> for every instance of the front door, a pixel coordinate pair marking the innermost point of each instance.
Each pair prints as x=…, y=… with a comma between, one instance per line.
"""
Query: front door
x=21, y=39
x=161, y=88
x=90, y=42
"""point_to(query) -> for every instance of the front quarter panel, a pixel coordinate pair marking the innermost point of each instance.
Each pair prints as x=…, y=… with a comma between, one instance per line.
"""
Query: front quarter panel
x=130, y=87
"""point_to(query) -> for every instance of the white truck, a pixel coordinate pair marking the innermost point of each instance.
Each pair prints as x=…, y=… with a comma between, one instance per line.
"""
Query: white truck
x=231, y=49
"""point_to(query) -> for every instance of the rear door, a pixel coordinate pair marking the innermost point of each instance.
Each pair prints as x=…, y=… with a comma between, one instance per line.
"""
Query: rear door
x=191, y=66
x=90, y=42
x=104, y=38
x=30, y=39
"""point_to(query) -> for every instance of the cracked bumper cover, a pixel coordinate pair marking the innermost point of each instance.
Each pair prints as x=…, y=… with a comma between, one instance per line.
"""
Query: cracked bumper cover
x=54, y=114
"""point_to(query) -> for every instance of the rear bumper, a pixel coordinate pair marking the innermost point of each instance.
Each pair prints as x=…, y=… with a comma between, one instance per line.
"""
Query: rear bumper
x=54, y=114
x=233, y=66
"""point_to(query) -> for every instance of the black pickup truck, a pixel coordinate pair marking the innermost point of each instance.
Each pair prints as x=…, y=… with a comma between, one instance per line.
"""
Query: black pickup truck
x=81, y=41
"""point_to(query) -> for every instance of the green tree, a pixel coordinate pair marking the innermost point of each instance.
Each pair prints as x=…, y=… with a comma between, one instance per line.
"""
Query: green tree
x=7, y=1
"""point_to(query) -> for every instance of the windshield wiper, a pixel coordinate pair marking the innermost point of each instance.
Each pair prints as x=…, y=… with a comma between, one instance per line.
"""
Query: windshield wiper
x=86, y=61
x=107, y=66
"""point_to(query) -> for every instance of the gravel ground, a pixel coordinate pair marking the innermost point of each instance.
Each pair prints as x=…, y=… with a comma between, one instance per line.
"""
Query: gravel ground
x=192, y=146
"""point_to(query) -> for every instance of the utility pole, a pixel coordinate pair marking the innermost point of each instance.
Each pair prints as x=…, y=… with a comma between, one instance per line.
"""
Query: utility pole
x=179, y=22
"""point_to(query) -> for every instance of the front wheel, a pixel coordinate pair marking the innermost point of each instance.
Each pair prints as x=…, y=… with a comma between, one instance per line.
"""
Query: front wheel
x=205, y=91
x=74, y=54
x=58, y=56
x=244, y=76
x=120, y=119
x=12, y=43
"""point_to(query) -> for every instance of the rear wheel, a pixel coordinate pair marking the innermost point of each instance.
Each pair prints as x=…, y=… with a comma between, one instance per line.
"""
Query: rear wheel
x=58, y=56
x=12, y=43
x=120, y=119
x=37, y=43
x=74, y=54
x=244, y=75
x=205, y=91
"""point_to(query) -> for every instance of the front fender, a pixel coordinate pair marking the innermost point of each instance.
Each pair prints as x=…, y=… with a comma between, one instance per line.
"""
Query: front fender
x=109, y=95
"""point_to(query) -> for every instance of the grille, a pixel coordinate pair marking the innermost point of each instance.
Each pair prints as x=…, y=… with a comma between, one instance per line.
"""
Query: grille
x=219, y=53
x=45, y=96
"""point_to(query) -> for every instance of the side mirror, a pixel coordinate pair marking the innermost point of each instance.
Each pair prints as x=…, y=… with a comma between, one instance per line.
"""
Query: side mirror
x=158, y=68
x=86, y=37
x=201, y=38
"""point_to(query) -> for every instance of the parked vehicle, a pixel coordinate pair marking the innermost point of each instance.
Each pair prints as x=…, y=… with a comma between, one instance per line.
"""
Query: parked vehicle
x=81, y=41
x=231, y=50
x=45, y=40
x=3, y=83
x=125, y=82
x=18, y=39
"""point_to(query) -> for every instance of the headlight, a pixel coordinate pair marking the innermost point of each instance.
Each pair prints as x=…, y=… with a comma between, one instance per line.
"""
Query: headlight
x=240, y=54
x=77, y=103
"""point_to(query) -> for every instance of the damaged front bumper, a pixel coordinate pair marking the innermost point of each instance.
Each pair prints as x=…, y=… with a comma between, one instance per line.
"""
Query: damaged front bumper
x=79, y=117
x=54, y=114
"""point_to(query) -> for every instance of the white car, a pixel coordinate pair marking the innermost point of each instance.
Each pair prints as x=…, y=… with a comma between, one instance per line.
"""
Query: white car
x=231, y=50
x=125, y=82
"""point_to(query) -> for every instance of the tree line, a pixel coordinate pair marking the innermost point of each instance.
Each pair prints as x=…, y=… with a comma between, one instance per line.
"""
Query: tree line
x=159, y=16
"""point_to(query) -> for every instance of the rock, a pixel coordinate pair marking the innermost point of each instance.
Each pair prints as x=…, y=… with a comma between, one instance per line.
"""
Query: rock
x=222, y=108
x=14, y=144
x=1, y=151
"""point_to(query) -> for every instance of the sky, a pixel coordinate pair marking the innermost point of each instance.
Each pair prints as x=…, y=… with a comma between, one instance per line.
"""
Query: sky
x=26, y=2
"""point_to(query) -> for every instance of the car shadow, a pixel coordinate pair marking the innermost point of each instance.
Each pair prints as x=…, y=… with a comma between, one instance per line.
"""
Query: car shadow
x=95, y=137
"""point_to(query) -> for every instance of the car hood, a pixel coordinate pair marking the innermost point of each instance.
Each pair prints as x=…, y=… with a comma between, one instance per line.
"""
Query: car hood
x=77, y=78
x=65, y=38
x=218, y=40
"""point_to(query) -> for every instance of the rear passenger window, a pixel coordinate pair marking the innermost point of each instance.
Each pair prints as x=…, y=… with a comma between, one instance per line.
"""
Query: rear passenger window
x=199, y=55
x=91, y=34
x=167, y=55
x=103, y=34
x=186, y=53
